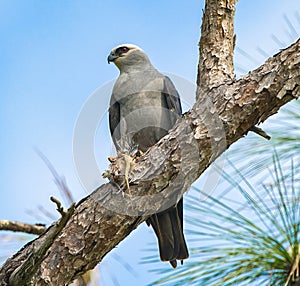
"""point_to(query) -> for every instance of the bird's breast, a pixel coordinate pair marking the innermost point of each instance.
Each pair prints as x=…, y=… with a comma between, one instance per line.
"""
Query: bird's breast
x=143, y=119
x=142, y=110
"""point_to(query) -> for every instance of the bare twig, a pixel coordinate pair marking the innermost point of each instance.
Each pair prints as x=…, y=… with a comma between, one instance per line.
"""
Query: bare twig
x=59, y=208
x=260, y=132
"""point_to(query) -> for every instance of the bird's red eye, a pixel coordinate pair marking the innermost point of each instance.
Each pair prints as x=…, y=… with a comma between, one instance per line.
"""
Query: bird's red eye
x=122, y=50
x=125, y=49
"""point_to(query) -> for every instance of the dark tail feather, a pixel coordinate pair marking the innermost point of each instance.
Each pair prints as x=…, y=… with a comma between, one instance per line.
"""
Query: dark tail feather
x=167, y=226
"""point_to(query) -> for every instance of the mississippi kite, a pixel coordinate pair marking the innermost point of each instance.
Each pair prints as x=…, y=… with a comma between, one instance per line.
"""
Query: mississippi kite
x=144, y=106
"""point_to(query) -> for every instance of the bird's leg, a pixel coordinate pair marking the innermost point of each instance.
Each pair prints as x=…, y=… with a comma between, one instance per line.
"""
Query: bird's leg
x=128, y=167
x=129, y=163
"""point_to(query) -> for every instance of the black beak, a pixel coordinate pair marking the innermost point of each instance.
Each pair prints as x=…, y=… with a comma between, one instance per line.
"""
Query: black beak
x=111, y=58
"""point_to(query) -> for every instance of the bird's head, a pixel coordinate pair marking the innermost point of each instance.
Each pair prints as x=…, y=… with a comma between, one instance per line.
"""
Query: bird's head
x=128, y=56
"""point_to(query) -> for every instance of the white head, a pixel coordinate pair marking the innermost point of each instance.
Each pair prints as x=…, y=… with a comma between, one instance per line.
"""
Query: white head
x=129, y=57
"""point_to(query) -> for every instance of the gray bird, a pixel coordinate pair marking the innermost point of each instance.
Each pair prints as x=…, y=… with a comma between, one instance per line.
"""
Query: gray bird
x=144, y=106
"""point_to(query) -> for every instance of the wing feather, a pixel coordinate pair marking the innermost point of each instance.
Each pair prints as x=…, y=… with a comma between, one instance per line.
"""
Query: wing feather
x=114, y=120
x=171, y=96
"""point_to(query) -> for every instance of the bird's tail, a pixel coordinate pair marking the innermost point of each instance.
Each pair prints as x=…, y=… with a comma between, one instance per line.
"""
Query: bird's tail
x=168, y=228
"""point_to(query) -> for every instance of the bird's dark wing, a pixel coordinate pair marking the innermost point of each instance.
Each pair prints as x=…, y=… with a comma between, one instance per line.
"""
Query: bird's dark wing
x=168, y=225
x=171, y=96
x=114, y=120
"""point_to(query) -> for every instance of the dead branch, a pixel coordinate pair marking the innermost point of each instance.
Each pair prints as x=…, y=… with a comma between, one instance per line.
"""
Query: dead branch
x=22, y=227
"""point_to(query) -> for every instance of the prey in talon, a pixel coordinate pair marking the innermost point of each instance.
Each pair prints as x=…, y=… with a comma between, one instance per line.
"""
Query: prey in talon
x=121, y=168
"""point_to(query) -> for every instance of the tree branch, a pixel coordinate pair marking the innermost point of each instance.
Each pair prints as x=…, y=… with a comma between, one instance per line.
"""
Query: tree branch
x=22, y=227
x=216, y=45
x=222, y=114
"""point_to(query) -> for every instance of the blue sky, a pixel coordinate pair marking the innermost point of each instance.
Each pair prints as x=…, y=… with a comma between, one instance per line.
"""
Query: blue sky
x=53, y=57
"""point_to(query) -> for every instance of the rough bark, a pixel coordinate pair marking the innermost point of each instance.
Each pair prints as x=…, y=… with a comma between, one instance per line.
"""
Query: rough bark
x=222, y=114
x=216, y=45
